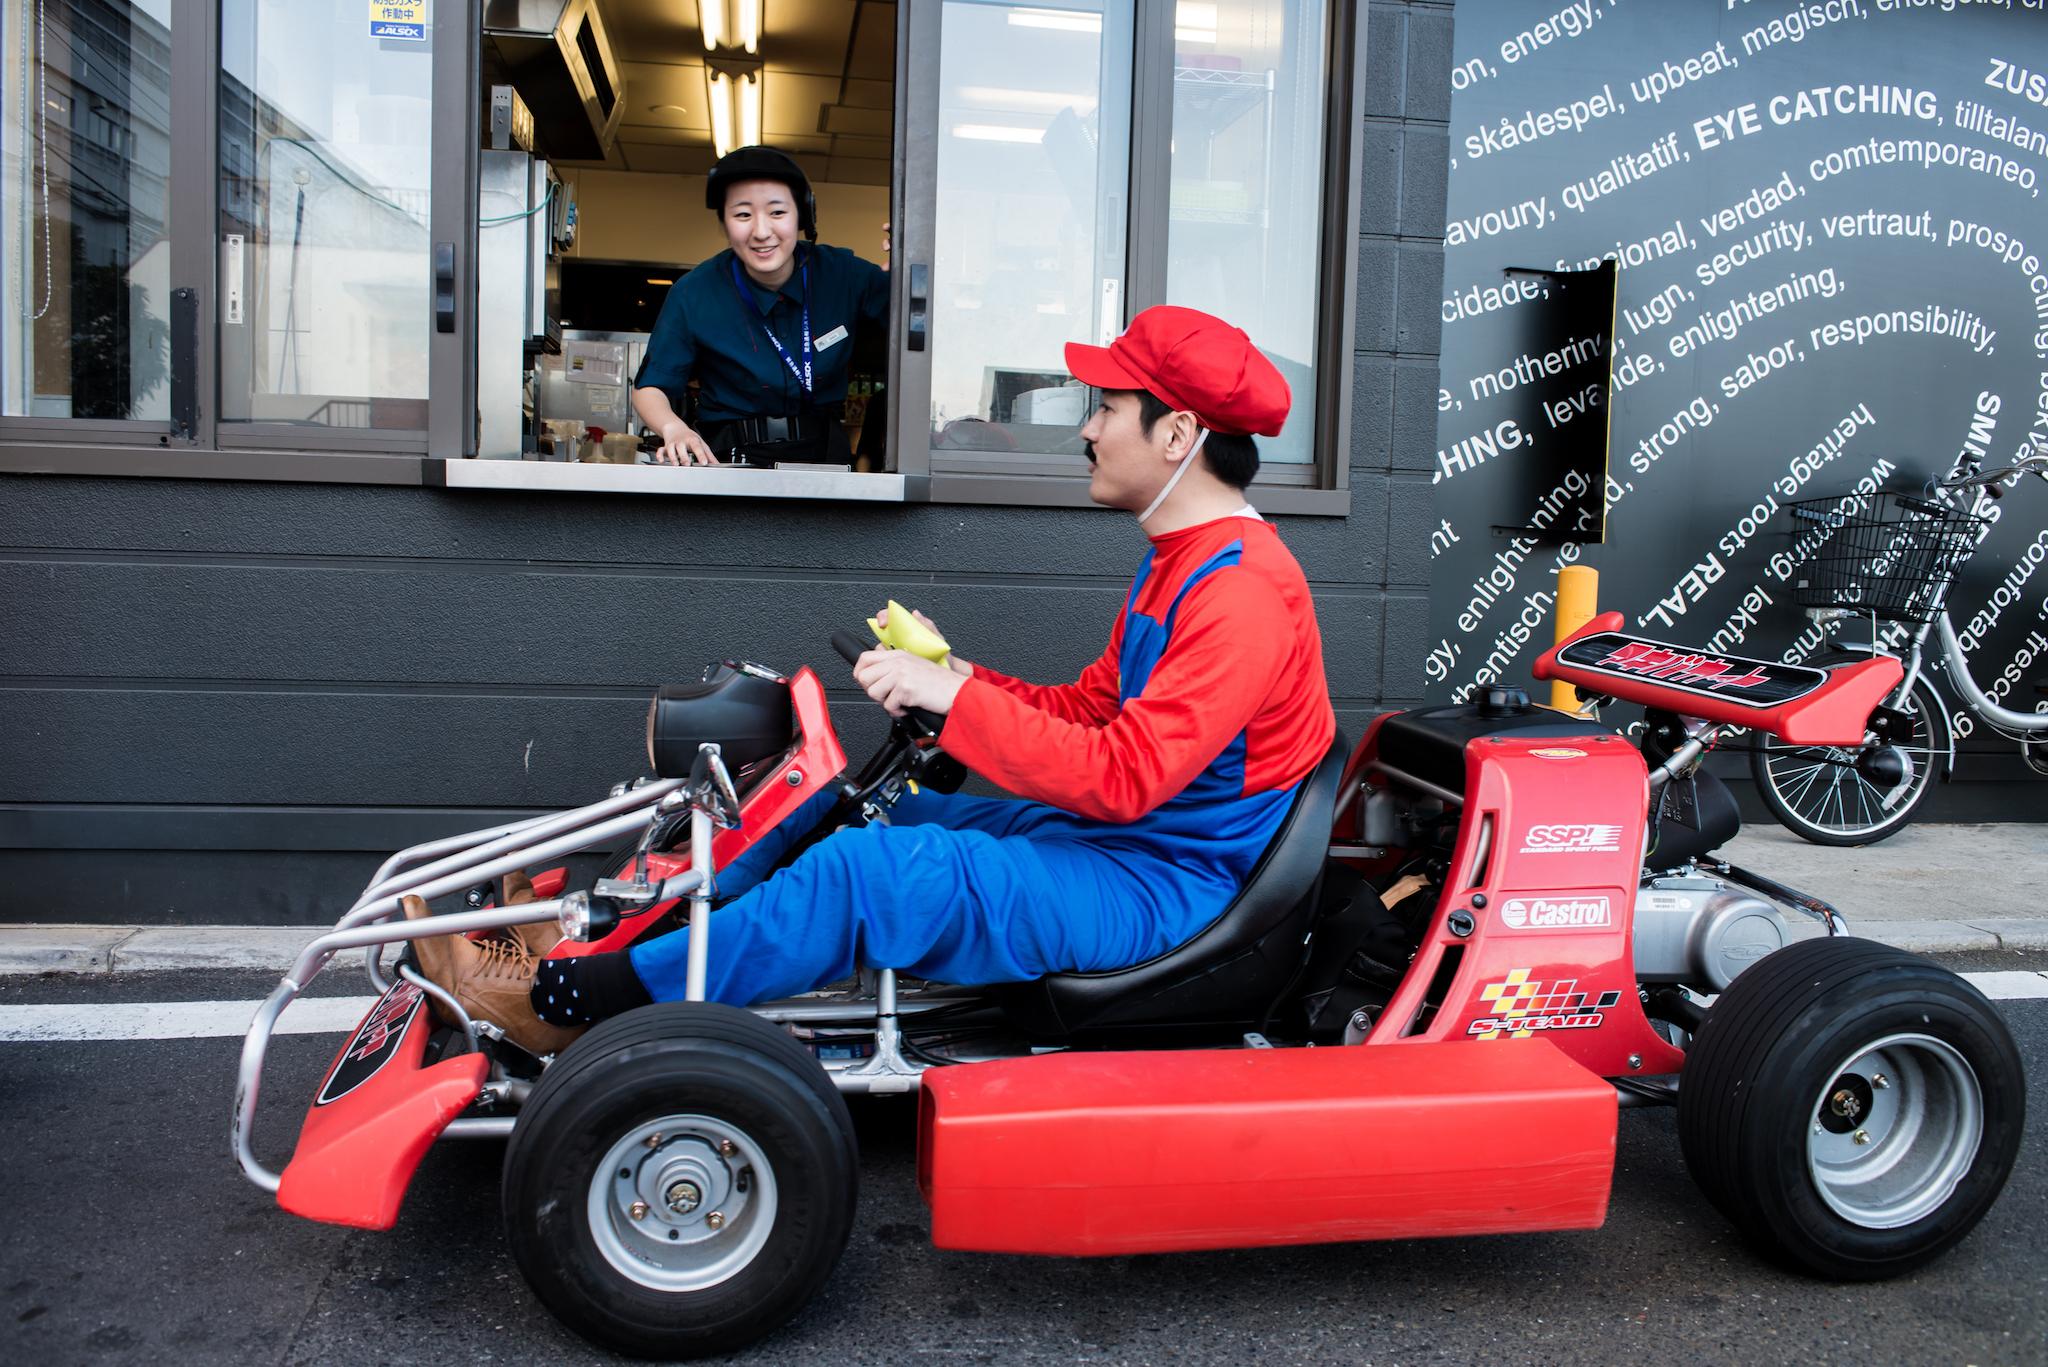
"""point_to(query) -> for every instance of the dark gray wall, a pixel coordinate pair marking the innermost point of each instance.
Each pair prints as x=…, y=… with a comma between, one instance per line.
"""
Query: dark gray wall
x=224, y=702
x=1745, y=138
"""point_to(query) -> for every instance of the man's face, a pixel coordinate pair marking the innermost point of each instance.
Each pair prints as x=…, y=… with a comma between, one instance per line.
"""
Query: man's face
x=1129, y=464
x=760, y=224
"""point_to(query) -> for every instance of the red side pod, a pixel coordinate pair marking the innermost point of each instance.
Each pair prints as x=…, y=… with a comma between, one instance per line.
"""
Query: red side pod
x=375, y=1115
x=1549, y=853
x=1084, y=1153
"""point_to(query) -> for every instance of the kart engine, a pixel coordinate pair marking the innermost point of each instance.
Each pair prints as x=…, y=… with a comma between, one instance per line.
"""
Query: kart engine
x=1701, y=931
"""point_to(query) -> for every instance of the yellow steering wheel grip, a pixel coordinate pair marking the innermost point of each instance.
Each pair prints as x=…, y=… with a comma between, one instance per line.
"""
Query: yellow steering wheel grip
x=905, y=632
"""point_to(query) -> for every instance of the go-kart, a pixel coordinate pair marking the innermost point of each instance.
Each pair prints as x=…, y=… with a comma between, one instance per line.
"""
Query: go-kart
x=1478, y=936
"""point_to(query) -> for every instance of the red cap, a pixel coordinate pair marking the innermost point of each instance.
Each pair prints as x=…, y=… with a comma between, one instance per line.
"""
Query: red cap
x=1194, y=362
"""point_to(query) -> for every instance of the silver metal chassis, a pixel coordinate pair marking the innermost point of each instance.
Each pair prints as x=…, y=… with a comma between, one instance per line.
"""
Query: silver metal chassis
x=456, y=863
x=435, y=869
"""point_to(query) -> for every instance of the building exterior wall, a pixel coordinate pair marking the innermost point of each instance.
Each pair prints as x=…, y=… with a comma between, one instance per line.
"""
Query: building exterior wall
x=226, y=701
x=1828, y=282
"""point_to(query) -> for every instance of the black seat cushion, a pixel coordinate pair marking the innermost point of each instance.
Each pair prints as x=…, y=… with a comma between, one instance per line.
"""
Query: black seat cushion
x=1232, y=969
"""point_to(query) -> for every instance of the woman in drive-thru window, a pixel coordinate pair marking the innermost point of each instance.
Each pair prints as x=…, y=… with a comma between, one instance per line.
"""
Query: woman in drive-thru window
x=764, y=327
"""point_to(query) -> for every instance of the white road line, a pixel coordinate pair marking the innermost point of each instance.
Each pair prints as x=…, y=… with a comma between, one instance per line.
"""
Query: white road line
x=334, y=1015
x=175, y=1020
x=2011, y=986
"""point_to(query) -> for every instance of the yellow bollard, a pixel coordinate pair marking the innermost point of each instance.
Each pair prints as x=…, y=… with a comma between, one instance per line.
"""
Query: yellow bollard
x=1578, y=597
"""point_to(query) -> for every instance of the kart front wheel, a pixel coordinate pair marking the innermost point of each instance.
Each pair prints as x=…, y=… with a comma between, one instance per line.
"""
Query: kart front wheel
x=681, y=1182
x=1852, y=1109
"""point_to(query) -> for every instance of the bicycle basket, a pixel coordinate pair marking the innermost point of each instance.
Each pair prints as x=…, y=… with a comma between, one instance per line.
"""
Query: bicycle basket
x=1886, y=554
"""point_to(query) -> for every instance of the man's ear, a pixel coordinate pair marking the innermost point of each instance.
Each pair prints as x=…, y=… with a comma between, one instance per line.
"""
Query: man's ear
x=1185, y=430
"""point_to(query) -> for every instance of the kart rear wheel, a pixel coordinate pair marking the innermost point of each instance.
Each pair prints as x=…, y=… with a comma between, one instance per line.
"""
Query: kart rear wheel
x=1852, y=1109
x=1843, y=795
x=681, y=1182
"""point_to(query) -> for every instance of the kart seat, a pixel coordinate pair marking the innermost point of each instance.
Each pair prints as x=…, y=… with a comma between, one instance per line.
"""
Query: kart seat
x=1232, y=970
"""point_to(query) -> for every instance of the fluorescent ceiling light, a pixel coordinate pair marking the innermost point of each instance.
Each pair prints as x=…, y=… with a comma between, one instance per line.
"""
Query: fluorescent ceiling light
x=1070, y=21
x=1194, y=35
x=739, y=26
x=661, y=280
x=721, y=111
x=1194, y=21
x=997, y=132
x=1001, y=97
x=749, y=94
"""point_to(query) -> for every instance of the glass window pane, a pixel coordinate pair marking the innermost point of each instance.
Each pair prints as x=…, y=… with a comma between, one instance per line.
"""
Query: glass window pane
x=326, y=273
x=1033, y=170
x=87, y=134
x=1248, y=99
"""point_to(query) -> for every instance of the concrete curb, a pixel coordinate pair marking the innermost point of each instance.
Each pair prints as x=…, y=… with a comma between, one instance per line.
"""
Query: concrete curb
x=153, y=949
x=145, y=949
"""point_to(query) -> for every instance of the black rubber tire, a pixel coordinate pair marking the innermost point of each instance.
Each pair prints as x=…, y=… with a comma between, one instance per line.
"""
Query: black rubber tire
x=1760, y=1061
x=707, y=1059
x=1926, y=709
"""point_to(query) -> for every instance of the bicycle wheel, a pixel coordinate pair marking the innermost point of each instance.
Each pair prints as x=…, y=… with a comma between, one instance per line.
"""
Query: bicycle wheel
x=1840, y=795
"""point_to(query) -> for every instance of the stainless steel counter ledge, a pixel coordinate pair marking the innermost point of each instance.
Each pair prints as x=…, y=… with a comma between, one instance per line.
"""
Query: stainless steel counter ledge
x=563, y=477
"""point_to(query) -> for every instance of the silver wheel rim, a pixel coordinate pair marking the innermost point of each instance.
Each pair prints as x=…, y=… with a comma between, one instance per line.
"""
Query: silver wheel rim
x=682, y=1203
x=1894, y=1131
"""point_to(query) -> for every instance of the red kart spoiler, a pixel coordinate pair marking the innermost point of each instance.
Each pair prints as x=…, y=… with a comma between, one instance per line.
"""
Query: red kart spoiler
x=1805, y=706
x=1109, y=1153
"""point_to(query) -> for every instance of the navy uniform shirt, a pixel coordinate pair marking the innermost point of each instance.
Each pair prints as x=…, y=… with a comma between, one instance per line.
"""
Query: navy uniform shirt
x=710, y=331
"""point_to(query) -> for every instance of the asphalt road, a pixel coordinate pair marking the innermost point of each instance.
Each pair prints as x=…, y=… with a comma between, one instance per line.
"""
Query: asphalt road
x=131, y=1237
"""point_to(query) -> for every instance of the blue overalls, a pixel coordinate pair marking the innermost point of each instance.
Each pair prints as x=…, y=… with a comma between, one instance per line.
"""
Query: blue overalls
x=973, y=890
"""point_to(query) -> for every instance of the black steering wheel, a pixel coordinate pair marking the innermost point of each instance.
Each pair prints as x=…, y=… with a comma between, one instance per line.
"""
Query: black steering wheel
x=927, y=725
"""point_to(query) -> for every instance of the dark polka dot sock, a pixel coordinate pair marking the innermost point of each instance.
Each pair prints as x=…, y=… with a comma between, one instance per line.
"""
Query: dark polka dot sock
x=581, y=990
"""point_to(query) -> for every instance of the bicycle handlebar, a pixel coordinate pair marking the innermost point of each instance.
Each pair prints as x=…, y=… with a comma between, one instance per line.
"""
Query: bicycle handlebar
x=2034, y=464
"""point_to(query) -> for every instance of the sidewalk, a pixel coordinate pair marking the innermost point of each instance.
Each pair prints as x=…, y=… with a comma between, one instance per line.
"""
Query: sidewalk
x=1930, y=889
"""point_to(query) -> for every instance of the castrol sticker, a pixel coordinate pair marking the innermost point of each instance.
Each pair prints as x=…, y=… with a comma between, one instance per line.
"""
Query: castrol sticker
x=1572, y=837
x=1556, y=913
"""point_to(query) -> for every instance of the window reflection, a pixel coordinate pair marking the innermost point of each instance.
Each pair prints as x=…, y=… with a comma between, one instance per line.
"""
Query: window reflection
x=1033, y=164
x=1245, y=223
x=325, y=273
x=86, y=298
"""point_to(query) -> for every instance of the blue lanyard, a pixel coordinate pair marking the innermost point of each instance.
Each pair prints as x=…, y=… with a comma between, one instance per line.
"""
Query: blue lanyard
x=803, y=376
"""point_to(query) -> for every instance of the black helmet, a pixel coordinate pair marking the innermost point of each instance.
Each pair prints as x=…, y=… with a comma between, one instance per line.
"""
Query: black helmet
x=760, y=162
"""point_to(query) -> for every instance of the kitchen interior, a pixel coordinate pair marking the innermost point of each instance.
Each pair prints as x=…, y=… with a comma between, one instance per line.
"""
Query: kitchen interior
x=601, y=120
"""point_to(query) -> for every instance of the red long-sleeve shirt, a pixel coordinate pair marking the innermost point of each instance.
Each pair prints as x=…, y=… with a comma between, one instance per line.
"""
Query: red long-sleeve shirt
x=1211, y=691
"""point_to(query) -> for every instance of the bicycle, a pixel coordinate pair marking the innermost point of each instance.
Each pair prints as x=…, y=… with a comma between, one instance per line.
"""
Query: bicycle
x=1892, y=558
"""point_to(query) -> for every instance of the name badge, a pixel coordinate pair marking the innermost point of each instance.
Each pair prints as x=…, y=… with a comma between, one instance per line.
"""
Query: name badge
x=832, y=338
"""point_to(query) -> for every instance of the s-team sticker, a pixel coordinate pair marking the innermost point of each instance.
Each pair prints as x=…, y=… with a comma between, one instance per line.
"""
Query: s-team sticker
x=1572, y=837
x=1558, y=752
x=1556, y=913
x=1518, y=1006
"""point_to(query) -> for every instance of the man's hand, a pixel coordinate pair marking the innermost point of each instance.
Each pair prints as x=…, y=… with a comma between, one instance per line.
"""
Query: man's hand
x=900, y=681
x=953, y=661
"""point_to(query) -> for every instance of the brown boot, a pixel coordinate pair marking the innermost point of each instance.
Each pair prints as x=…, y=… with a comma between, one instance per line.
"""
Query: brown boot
x=492, y=979
x=540, y=936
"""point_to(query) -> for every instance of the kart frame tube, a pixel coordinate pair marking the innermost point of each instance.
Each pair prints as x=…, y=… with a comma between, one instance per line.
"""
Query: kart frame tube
x=488, y=854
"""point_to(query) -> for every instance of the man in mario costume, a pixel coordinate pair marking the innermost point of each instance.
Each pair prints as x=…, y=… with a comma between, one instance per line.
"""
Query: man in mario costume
x=1147, y=789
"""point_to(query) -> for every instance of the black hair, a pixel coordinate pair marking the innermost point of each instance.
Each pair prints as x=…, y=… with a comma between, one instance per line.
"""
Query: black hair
x=1233, y=457
x=761, y=162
